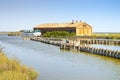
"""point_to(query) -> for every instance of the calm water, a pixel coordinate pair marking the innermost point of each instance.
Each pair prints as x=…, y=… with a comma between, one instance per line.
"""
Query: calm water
x=54, y=64
x=110, y=47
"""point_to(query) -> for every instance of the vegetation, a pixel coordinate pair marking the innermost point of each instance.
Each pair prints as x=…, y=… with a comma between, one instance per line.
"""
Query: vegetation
x=58, y=34
x=14, y=33
x=94, y=35
x=106, y=35
x=12, y=70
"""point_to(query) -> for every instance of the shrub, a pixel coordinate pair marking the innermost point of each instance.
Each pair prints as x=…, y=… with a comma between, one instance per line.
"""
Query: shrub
x=58, y=34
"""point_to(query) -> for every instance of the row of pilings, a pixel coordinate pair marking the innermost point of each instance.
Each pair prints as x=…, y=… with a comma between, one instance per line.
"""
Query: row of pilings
x=100, y=41
x=78, y=46
x=47, y=41
x=99, y=51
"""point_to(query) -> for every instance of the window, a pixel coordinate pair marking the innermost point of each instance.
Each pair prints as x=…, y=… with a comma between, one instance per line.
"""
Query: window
x=84, y=26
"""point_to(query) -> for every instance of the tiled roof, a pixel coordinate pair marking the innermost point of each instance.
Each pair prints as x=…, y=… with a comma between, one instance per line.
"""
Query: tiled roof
x=57, y=25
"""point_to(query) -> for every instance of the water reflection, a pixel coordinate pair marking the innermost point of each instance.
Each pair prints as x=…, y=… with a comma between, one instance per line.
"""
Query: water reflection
x=111, y=47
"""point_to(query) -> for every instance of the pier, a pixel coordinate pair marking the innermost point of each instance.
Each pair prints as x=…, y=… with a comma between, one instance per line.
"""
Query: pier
x=83, y=45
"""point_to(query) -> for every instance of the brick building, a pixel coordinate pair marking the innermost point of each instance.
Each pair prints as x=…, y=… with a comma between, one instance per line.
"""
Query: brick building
x=80, y=28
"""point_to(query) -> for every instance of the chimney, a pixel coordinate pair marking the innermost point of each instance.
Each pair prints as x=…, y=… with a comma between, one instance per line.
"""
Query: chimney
x=76, y=21
x=72, y=21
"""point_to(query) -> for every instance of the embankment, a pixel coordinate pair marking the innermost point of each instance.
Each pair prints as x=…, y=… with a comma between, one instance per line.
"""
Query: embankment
x=12, y=69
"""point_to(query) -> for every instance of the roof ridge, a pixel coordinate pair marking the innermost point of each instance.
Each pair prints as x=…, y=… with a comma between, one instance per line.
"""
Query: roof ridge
x=63, y=24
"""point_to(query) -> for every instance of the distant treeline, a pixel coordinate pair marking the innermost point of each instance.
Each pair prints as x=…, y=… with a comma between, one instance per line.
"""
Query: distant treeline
x=14, y=33
x=4, y=32
x=106, y=32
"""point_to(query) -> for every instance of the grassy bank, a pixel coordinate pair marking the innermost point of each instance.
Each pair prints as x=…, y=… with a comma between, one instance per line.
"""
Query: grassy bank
x=14, y=33
x=107, y=35
x=13, y=70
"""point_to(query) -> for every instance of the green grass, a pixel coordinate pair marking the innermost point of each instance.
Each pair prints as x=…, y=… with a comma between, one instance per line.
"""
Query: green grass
x=107, y=35
x=58, y=34
x=11, y=69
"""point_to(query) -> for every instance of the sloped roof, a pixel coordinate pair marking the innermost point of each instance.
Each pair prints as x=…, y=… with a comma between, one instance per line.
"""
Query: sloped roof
x=57, y=25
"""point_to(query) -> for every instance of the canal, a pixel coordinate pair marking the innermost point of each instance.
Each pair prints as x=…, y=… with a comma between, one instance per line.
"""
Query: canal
x=109, y=47
x=55, y=64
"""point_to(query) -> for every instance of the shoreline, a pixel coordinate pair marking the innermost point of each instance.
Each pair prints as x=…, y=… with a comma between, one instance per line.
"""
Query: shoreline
x=12, y=69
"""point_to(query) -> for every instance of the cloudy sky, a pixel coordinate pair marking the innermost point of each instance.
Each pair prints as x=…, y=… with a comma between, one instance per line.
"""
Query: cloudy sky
x=103, y=15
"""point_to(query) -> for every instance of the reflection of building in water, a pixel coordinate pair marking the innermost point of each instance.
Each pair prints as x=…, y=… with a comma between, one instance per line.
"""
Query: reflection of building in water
x=80, y=28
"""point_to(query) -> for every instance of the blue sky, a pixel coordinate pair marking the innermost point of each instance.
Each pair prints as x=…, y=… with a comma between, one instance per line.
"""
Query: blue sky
x=103, y=15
